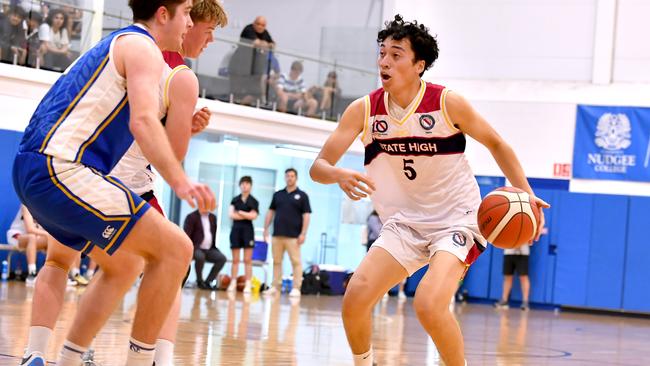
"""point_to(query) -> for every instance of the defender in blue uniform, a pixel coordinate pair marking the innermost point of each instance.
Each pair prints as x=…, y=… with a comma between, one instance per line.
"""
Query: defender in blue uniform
x=78, y=133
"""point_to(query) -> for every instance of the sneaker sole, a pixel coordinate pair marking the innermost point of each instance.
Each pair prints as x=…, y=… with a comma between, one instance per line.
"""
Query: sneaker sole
x=37, y=361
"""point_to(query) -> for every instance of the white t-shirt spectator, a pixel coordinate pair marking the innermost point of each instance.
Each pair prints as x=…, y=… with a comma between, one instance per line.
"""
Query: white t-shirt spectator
x=59, y=39
x=292, y=86
x=522, y=250
x=44, y=32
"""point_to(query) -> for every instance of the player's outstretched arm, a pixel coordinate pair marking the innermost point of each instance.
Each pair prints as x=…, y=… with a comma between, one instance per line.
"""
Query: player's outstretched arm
x=183, y=94
x=470, y=122
x=141, y=63
x=324, y=169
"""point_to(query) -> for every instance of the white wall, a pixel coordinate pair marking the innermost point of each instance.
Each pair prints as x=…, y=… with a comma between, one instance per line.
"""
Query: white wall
x=632, y=52
x=508, y=39
x=532, y=39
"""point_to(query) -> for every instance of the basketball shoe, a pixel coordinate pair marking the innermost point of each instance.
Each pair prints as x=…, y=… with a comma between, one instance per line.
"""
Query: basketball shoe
x=34, y=359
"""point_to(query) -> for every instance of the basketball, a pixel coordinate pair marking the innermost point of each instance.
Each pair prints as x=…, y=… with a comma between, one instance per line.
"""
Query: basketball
x=223, y=281
x=241, y=283
x=508, y=218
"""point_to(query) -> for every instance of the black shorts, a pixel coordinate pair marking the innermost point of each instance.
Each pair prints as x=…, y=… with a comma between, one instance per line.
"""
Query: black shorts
x=518, y=263
x=242, y=237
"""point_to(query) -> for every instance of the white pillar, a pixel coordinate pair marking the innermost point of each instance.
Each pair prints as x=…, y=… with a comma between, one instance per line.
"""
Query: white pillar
x=97, y=21
x=604, y=38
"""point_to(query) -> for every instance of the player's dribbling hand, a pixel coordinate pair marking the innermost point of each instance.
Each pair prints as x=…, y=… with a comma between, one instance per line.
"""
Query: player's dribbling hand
x=356, y=185
x=197, y=195
x=200, y=120
x=540, y=225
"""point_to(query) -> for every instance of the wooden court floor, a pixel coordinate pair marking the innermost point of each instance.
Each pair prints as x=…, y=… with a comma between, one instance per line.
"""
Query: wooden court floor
x=218, y=330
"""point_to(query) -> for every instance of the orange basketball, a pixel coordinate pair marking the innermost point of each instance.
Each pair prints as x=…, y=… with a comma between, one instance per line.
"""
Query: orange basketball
x=223, y=281
x=241, y=283
x=508, y=218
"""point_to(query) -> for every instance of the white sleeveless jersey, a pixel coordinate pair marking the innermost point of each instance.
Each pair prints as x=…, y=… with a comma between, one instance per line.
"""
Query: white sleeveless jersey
x=418, y=164
x=134, y=170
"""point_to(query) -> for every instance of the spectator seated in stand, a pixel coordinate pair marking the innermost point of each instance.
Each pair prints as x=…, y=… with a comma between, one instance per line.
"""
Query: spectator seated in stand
x=249, y=63
x=12, y=36
x=291, y=89
x=58, y=56
x=327, y=95
x=37, y=36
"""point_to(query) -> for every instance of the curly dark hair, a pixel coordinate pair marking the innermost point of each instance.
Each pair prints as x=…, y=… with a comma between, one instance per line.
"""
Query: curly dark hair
x=424, y=45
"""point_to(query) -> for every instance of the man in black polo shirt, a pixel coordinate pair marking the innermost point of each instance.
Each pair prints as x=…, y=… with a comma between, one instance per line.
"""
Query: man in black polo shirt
x=290, y=212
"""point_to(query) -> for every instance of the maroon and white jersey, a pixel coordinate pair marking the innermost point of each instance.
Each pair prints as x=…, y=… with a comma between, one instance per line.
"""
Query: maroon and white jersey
x=134, y=169
x=417, y=162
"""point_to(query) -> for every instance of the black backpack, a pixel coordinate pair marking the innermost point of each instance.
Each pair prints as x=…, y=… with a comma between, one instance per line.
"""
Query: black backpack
x=315, y=281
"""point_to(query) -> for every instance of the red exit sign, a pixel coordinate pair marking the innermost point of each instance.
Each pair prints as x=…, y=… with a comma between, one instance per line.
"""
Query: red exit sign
x=562, y=170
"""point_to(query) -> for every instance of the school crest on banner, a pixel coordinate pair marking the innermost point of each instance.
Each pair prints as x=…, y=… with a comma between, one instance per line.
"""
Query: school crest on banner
x=612, y=143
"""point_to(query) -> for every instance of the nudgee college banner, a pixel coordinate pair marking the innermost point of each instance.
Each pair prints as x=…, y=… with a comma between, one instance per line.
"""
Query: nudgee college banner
x=612, y=143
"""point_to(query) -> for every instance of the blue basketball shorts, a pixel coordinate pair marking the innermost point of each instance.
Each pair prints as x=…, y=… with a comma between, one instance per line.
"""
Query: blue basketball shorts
x=76, y=204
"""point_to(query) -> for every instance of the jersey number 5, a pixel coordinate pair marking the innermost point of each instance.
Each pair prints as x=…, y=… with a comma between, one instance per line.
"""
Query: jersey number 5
x=409, y=172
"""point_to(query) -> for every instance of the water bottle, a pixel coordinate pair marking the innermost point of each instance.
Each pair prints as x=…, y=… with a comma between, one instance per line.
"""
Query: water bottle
x=283, y=288
x=289, y=284
x=5, y=270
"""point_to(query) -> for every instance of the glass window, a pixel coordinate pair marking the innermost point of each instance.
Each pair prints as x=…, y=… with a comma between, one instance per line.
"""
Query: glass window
x=221, y=161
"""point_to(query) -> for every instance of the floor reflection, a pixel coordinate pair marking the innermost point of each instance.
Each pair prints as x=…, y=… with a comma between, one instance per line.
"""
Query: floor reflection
x=218, y=329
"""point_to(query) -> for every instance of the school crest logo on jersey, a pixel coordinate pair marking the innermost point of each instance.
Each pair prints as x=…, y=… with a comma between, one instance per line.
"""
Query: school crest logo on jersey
x=379, y=127
x=427, y=122
x=459, y=239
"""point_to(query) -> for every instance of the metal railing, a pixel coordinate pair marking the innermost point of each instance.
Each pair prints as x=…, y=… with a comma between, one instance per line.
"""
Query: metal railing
x=230, y=70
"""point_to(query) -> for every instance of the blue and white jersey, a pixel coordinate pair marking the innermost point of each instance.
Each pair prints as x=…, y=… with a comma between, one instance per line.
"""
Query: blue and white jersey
x=84, y=117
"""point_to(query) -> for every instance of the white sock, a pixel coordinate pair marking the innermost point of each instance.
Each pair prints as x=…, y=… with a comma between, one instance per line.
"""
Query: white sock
x=74, y=272
x=364, y=359
x=38, y=339
x=31, y=268
x=164, y=355
x=90, y=273
x=140, y=354
x=71, y=354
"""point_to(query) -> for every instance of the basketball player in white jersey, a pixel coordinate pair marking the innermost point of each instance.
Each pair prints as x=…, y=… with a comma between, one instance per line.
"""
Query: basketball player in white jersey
x=80, y=130
x=421, y=185
x=178, y=95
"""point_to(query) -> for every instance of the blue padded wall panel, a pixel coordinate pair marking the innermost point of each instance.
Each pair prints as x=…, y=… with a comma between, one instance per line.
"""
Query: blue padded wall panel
x=636, y=290
x=414, y=280
x=496, y=274
x=540, y=261
x=607, y=251
x=573, y=224
x=9, y=141
x=477, y=281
